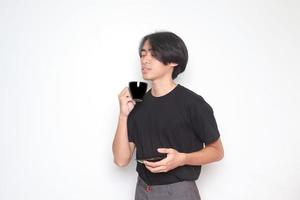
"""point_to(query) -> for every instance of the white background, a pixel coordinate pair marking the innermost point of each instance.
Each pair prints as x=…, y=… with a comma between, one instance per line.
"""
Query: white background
x=63, y=63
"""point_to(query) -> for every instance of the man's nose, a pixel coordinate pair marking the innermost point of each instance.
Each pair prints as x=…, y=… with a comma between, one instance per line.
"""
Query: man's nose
x=145, y=59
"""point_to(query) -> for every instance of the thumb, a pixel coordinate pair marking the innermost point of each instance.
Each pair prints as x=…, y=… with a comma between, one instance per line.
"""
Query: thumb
x=164, y=150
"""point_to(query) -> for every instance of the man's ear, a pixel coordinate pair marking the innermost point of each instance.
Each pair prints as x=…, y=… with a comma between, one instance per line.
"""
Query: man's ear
x=172, y=64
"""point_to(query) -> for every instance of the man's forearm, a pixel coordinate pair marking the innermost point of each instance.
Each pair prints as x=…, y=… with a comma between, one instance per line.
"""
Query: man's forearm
x=121, y=147
x=209, y=154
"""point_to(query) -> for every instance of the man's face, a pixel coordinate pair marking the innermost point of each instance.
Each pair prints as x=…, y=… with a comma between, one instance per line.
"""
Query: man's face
x=153, y=69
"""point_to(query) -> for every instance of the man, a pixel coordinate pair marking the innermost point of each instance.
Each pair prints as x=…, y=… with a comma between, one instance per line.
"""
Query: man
x=172, y=122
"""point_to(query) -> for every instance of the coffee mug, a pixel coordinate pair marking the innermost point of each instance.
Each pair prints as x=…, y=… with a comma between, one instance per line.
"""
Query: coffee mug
x=137, y=90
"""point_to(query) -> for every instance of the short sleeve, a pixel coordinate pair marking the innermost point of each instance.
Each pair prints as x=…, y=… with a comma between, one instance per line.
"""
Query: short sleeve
x=204, y=123
x=131, y=127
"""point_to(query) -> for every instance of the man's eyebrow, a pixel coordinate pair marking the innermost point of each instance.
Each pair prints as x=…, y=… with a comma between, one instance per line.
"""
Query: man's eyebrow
x=146, y=50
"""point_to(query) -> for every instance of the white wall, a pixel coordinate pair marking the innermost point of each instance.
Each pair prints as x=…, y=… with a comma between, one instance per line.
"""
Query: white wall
x=63, y=63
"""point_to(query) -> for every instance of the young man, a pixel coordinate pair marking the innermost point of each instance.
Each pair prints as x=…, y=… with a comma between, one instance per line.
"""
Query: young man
x=172, y=122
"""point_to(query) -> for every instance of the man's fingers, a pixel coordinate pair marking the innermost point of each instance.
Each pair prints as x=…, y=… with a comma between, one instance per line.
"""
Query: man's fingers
x=125, y=94
x=165, y=150
x=130, y=105
x=124, y=91
x=126, y=99
x=155, y=164
x=157, y=169
x=131, y=101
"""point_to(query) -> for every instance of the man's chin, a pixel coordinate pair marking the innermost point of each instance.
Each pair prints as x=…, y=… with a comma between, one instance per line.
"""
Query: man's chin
x=147, y=78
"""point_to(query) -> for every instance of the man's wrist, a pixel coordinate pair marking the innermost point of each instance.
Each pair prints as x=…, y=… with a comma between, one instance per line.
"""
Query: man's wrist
x=184, y=158
x=123, y=116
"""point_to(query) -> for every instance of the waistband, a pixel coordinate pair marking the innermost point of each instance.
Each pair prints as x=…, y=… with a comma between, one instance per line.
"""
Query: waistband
x=149, y=188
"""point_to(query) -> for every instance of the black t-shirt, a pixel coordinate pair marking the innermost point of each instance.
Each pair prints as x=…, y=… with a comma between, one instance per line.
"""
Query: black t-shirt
x=181, y=120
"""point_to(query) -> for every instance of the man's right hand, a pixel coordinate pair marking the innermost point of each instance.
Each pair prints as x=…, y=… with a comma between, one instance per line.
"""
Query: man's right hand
x=126, y=102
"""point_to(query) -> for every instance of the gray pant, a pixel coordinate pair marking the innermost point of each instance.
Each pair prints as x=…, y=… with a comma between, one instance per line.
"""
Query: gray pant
x=186, y=190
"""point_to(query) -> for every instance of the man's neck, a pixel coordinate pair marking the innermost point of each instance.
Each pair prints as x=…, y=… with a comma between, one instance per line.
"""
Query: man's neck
x=162, y=87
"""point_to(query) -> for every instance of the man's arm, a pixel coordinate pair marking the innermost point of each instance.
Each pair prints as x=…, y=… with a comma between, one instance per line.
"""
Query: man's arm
x=122, y=148
x=211, y=153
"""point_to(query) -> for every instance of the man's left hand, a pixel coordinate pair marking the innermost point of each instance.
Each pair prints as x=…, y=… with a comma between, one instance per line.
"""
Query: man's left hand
x=174, y=159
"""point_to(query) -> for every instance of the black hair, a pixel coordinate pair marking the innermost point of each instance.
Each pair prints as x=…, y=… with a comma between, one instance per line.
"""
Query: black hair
x=167, y=48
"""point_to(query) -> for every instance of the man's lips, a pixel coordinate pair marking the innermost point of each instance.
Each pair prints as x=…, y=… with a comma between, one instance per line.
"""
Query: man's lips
x=145, y=69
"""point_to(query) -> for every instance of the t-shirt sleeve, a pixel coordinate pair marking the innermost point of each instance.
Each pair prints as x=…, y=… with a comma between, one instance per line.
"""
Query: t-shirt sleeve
x=204, y=123
x=131, y=128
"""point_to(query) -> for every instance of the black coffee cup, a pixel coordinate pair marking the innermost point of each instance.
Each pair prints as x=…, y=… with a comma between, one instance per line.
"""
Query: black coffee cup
x=137, y=90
